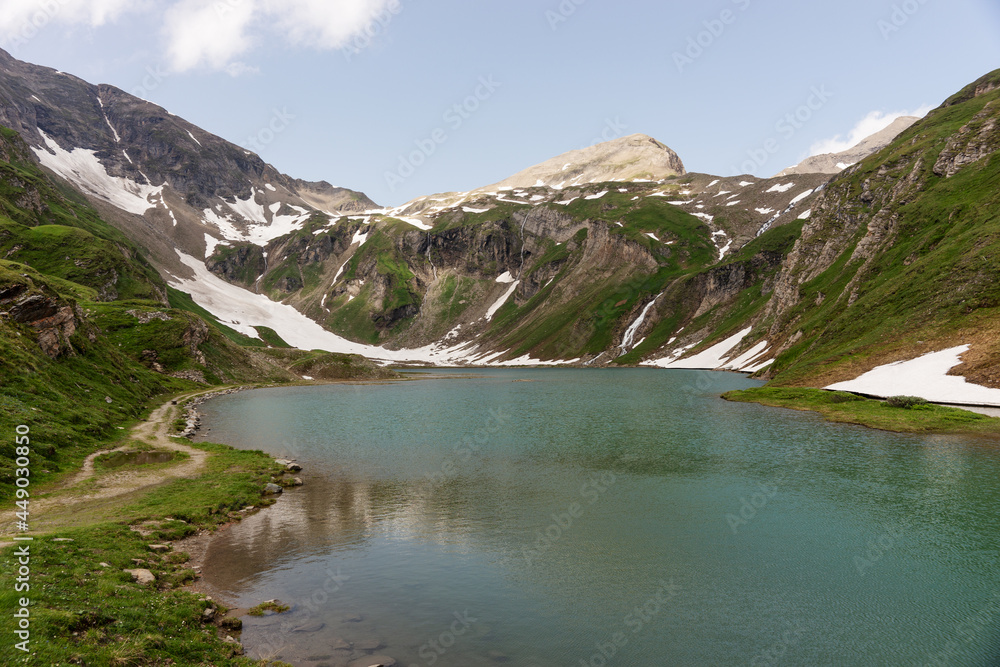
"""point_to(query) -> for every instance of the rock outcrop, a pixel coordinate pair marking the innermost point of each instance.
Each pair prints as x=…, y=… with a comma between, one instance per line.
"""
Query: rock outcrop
x=52, y=320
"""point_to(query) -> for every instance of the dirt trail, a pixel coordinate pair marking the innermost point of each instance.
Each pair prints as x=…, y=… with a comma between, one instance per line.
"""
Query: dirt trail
x=88, y=496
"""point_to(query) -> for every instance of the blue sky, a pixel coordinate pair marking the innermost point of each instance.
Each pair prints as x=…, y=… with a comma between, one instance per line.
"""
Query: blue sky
x=531, y=79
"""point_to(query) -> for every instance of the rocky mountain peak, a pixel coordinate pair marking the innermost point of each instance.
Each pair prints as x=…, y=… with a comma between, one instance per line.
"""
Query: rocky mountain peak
x=834, y=163
x=637, y=157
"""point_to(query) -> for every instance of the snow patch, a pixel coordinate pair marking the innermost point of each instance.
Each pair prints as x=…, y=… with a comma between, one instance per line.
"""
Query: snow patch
x=744, y=361
x=210, y=244
x=417, y=222
x=193, y=137
x=502, y=300
x=118, y=139
x=926, y=377
x=800, y=197
x=805, y=216
x=82, y=168
x=711, y=359
x=506, y=278
x=597, y=196
x=634, y=327
x=359, y=238
x=782, y=188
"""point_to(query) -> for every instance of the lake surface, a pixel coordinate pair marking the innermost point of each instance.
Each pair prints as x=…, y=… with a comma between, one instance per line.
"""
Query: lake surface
x=607, y=517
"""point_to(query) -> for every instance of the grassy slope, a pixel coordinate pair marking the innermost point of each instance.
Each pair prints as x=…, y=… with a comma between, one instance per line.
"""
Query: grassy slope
x=936, y=284
x=837, y=406
x=102, y=382
x=85, y=613
x=585, y=317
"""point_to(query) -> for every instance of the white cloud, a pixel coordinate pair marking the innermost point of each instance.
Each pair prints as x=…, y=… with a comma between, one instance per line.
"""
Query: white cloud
x=212, y=34
x=207, y=32
x=22, y=19
x=875, y=121
x=327, y=24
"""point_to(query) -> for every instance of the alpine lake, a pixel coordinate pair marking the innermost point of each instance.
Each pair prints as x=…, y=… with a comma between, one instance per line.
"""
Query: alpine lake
x=543, y=517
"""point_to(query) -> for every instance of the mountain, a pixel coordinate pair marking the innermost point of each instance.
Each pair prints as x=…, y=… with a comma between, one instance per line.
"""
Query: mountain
x=632, y=158
x=834, y=163
x=89, y=331
x=900, y=256
x=609, y=255
x=164, y=182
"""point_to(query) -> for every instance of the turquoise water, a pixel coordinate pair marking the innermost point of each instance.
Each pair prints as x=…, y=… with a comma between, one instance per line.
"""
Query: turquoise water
x=607, y=517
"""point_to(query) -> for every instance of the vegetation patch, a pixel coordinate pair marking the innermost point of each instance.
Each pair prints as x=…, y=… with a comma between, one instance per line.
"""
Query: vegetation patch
x=89, y=606
x=270, y=606
x=837, y=406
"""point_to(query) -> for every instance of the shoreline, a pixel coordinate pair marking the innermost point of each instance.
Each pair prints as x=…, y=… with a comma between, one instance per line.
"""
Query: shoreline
x=849, y=408
x=132, y=529
x=194, y=535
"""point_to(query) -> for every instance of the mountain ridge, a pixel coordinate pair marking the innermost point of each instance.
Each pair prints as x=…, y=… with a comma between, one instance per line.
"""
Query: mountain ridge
x=834, y=163
x=537, y=268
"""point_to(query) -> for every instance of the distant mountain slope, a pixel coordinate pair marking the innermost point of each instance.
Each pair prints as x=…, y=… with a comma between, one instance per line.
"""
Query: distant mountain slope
x=834, y=163
x=807, y=277
x=165, y=182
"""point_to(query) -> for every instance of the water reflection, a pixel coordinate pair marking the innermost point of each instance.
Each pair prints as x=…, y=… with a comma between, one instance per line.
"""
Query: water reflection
x=874, y=545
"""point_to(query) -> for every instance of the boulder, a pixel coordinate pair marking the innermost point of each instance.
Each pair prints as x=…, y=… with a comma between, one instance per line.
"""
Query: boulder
x=142, y=577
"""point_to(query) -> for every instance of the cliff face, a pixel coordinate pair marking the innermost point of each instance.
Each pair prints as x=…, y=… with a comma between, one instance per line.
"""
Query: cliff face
x=902, y=252
x=610, y=254
x=164, y=182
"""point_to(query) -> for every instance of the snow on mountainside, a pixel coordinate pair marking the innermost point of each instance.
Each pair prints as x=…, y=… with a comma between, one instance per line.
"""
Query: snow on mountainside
x=192, y=190
x=256, y=247
x=612, y=254
x=834, y=163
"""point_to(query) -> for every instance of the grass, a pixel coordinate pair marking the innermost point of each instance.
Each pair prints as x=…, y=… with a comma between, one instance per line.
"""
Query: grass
x=836, y=406
x=86, y=613
x=321, y=365
x=935, y=278
x=265, y=607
